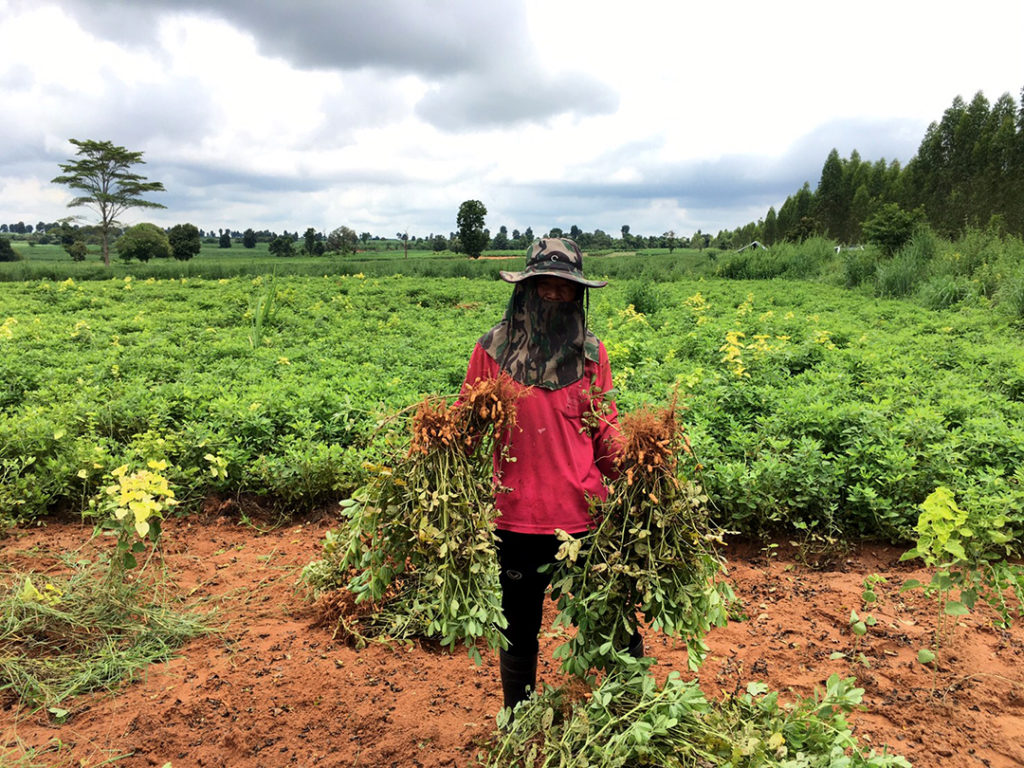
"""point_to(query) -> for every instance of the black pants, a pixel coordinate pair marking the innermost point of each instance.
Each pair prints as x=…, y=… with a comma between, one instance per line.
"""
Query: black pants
x=520, y=556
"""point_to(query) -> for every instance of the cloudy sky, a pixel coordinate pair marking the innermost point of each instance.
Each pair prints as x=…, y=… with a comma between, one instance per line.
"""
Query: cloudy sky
x=385, y=115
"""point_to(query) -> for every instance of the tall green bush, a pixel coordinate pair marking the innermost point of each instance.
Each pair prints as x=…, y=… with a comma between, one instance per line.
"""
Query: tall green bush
x=898, y=277
x=859, y=266
x=143, y=242
x=7, y=252
x=943, y=291
x=1010, y=296
x=901, y=275
x=891, y=227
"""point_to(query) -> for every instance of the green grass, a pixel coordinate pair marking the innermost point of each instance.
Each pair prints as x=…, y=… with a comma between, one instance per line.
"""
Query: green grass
x=50, y=262
x=14, y=754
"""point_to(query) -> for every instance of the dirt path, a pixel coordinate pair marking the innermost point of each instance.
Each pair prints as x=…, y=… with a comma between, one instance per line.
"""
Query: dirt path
x=272, y=688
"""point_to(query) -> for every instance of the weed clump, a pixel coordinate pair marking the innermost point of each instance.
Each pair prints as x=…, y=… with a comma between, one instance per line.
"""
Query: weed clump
x=71, y=634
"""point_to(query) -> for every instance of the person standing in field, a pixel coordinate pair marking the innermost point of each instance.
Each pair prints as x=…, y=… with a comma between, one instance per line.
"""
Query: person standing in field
x=563, y=446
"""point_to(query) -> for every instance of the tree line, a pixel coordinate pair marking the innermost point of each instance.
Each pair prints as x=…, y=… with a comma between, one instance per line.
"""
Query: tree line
x=968, y=172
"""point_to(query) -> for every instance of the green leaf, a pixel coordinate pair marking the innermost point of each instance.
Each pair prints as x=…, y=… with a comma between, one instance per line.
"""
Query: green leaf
x=956, y=608
x=956, y=549
x=129, y=560
x=757, y=688
x=925, y=656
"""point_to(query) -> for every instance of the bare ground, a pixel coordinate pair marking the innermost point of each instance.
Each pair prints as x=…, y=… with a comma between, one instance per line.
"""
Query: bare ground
x=272, y=687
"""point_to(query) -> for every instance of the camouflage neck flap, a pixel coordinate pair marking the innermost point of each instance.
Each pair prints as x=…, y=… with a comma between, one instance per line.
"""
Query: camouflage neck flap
x=541, y=343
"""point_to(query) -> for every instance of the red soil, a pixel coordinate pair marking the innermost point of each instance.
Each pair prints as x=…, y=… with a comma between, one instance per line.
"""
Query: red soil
x=272, y=688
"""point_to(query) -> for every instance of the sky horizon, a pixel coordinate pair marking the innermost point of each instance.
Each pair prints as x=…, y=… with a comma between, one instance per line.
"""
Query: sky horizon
x=385, y=116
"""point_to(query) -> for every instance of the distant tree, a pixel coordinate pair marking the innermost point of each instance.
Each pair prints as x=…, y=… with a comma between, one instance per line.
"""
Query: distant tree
x=64, y=232
x=831, y=200
x=364, y=236
x=575, y=232
x=308, y=241
x=771, y=227
x=501, y=239
x=7, y=252
x=3, y=227
x=249, y=239
x=225, y=239
x=555, y=232
x=41, y=227
x=143, y=242
x=470, y=221
x=282, y=246
x=861, y=207
x=697, y=241
x=670, y=240
x=103, y=174
x=185, y=241
x=803, y=229
x=77, y=250
x=439, y=243
x=528, y=235
x=342, y=240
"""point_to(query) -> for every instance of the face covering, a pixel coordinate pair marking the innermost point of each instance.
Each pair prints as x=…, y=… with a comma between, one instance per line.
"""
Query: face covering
x=541, y=343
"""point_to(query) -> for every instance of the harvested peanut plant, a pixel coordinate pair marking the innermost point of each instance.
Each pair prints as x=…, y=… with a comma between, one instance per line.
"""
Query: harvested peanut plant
x=418, y=544
x=651, y=556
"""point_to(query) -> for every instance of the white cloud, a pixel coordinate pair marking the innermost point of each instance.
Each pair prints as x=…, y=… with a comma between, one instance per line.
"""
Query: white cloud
x=386, y=115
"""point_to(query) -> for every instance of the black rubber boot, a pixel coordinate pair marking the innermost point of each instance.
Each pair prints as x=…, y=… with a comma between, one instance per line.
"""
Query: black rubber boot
x=518, y=677
x=636, y=646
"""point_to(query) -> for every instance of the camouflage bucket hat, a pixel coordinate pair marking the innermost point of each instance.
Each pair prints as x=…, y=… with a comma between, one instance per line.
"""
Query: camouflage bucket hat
x=555, y=257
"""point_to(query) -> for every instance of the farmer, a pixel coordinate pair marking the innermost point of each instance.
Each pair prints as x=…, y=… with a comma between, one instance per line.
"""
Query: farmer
x=563, y=446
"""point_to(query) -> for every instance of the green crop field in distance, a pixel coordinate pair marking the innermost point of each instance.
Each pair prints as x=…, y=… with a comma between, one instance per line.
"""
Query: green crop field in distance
x=809, y=405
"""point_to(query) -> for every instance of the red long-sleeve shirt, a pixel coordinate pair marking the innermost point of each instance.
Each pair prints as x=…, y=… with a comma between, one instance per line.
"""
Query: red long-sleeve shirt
x=555, y=461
